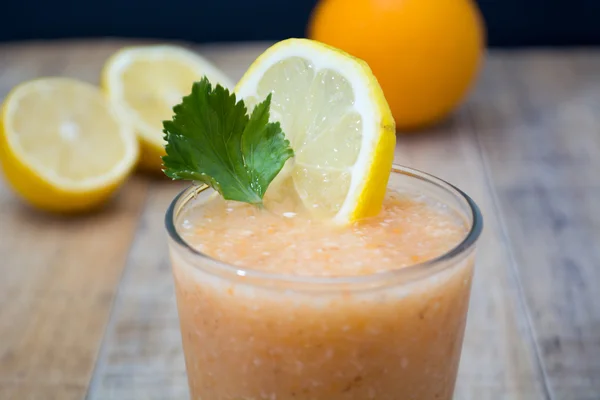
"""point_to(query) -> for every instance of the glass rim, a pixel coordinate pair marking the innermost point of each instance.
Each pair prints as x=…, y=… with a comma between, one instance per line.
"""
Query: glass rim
x=463, y=247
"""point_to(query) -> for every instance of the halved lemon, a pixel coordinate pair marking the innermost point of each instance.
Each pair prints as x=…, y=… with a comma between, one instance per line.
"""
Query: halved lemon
x=145, y=82
x=340, y=126
x=62, y=147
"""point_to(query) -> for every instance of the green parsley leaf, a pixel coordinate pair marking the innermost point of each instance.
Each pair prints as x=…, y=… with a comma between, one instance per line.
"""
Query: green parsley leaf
x=211, y=139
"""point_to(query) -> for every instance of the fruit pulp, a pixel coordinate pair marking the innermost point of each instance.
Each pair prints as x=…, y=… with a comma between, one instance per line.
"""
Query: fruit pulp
x=283, y=307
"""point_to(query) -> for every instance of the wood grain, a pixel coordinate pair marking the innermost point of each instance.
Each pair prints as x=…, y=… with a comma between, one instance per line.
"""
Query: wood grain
x=141, y=357
x=58, y=283
x=536, y=119
x=58, y=275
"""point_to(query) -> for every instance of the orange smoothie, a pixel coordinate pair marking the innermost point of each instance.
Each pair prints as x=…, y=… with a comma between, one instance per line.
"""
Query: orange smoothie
x=276, y=306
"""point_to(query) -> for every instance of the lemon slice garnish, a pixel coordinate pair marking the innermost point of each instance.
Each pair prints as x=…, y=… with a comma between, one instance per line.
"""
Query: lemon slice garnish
x=335, y=115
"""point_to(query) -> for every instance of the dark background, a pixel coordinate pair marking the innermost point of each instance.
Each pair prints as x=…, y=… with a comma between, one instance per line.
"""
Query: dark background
x=509, y=22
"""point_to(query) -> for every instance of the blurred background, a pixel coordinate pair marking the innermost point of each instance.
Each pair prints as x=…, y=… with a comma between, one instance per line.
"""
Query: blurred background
x=506, y=106
x=509, y=22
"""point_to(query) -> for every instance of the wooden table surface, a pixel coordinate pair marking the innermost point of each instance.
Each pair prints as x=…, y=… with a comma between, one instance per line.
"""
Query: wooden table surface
x=87, y=308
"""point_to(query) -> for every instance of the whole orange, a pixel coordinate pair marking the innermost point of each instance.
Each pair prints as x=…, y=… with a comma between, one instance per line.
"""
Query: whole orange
x=424, y=53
